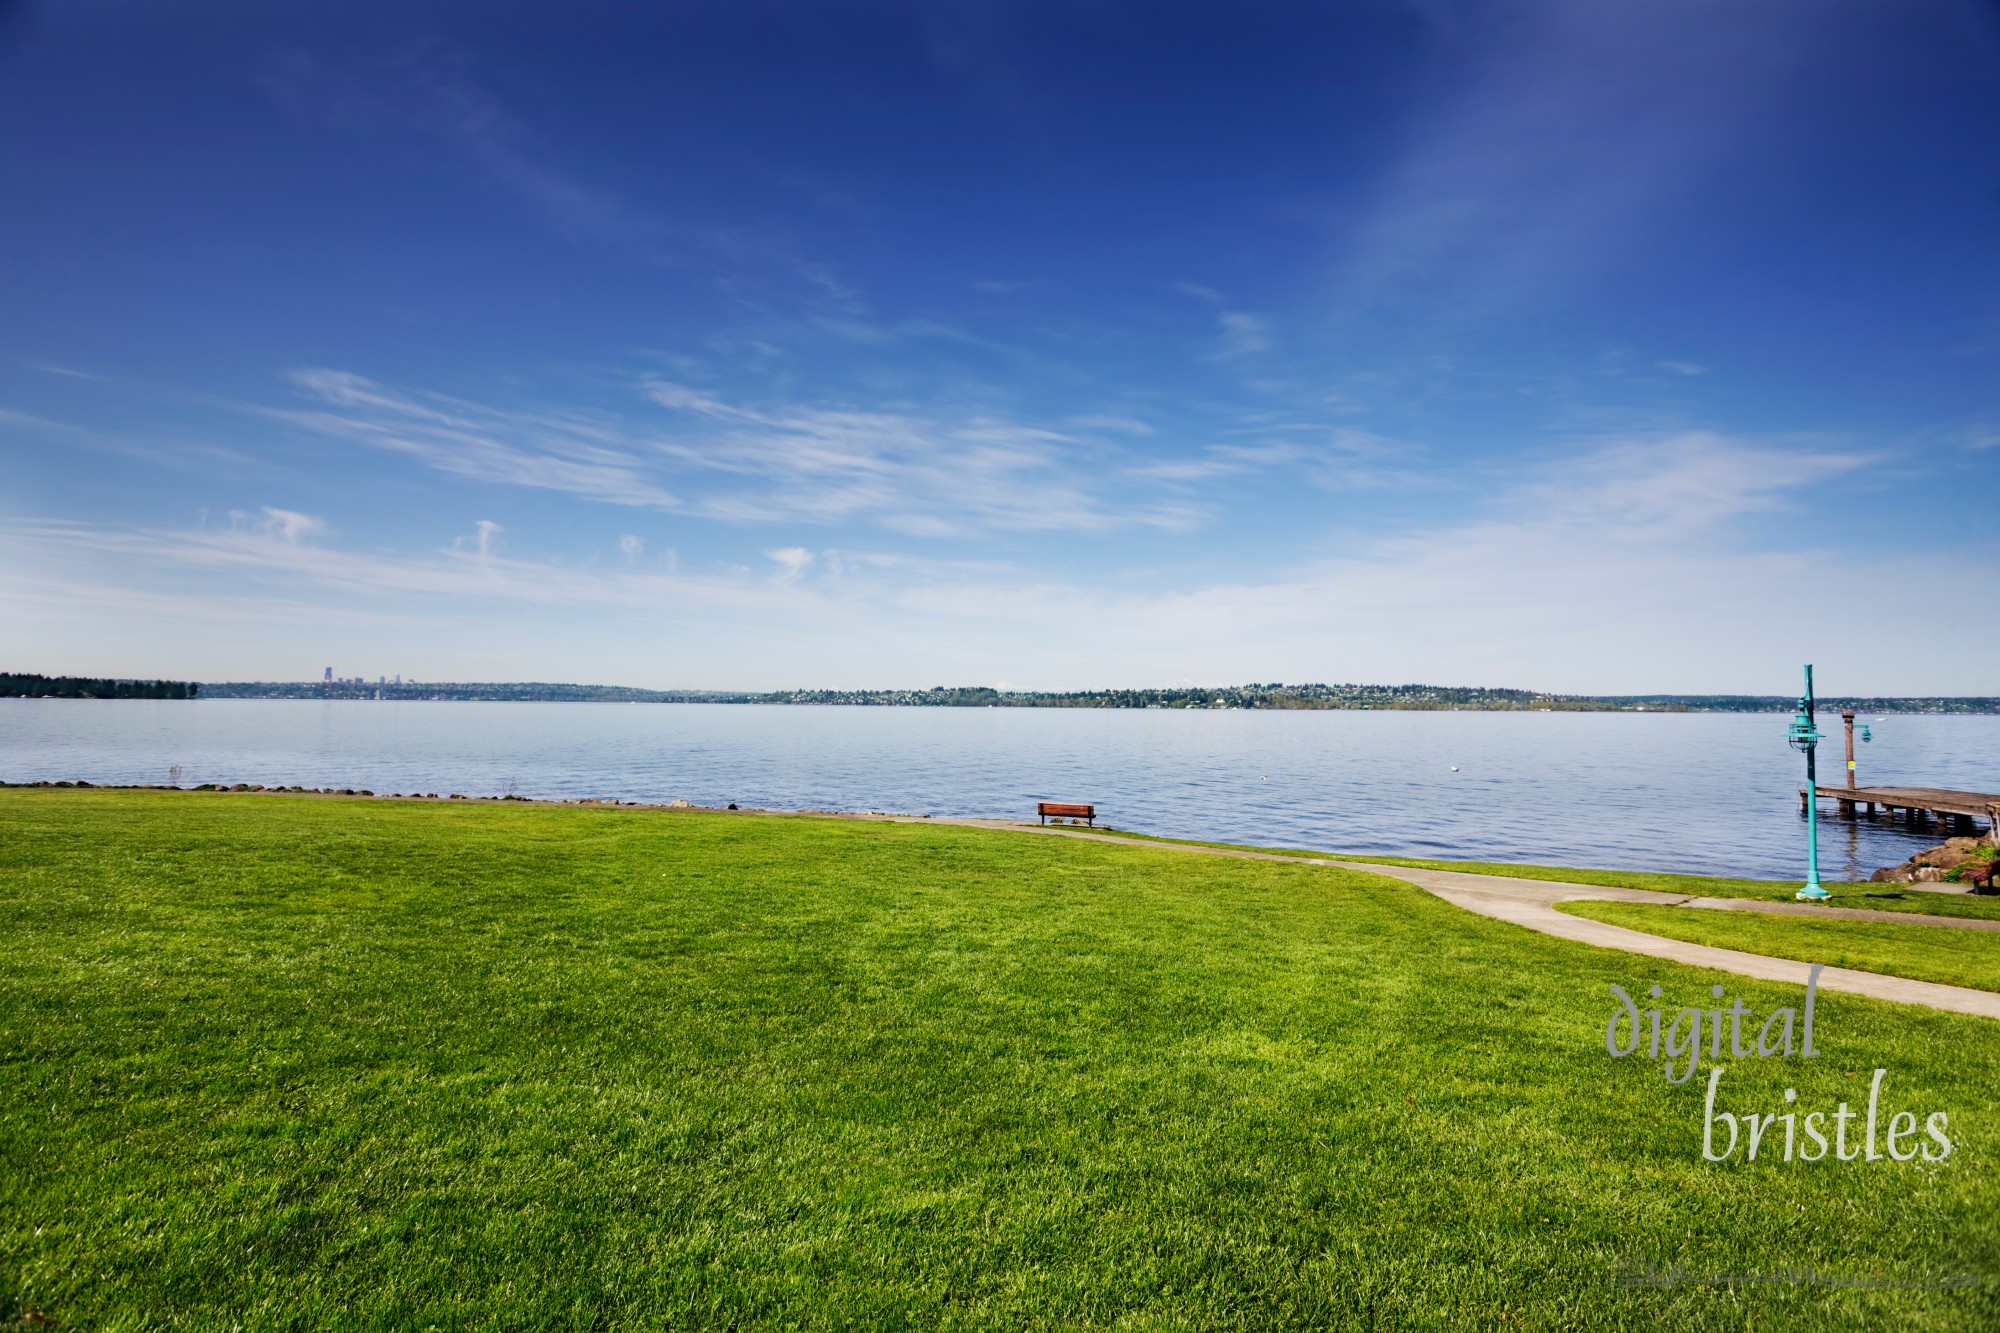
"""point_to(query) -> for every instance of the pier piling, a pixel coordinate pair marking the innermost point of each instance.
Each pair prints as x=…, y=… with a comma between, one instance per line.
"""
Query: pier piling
x=1847, y=722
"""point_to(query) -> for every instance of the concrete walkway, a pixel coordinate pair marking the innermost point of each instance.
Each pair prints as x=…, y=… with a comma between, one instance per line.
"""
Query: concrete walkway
x=1530, y=903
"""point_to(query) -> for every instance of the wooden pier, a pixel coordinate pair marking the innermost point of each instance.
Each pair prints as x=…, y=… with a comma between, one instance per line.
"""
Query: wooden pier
x=1955, y=811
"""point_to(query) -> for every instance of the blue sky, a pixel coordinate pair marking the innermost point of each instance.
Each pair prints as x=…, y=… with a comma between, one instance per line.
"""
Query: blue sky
x=1587, y=345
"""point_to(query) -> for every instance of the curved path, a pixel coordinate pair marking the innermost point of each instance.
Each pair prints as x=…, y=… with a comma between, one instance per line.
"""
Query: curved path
x=1531, y=903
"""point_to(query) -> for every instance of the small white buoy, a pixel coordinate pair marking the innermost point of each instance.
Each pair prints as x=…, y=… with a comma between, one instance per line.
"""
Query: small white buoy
x=1454, y=768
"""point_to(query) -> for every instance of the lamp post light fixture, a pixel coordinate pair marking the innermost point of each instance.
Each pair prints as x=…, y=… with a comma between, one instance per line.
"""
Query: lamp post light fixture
x=1804, y=737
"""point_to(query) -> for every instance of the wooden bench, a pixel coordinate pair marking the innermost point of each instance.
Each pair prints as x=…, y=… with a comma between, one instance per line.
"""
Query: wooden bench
x=1979, y=874
x=1057, y=810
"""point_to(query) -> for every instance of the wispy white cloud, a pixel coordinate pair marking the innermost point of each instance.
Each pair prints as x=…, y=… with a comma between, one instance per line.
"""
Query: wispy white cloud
x=918, y=471
x=1238, y=332
x=428, y=87
x=67, y=372
x=792, y=561
x=1243, y=334
x=922, y=472
x=264, y=560
x=1674, y=488
x=1223, y=460
x=543, y=450
x=1570, y=127
x=1640, y=564
x=1124, y=425
x=189, y=455
x=13, y=418
x=1342, y=457
x=485, y=533
x=289, y=525
x=1657, y=562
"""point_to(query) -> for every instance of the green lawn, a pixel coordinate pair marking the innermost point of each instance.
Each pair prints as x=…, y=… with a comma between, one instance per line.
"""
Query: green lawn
x=279, y=1062
x=1925, y=953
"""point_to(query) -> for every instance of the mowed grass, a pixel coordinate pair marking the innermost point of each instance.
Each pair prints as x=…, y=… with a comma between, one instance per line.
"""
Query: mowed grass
x=1923, y=953
x=1874, y=897
x=291, y=1063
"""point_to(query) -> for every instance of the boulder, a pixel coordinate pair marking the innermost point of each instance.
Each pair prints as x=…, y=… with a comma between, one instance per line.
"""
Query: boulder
x=1947, y=855
x=1931, y=865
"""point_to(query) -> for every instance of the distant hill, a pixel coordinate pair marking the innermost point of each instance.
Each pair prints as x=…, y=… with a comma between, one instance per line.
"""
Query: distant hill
x=1269, y=696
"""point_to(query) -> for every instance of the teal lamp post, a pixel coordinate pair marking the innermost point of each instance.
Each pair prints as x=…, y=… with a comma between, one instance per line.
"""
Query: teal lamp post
x=1804, y=737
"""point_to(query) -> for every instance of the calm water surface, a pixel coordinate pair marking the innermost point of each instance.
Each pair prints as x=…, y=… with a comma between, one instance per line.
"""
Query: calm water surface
x=1711, y=793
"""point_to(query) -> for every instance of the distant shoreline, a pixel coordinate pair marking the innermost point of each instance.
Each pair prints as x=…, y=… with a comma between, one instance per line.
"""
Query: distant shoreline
x=1267, y=697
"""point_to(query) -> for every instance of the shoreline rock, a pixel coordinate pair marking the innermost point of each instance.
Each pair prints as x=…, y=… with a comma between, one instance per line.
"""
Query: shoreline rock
x=1936, y=865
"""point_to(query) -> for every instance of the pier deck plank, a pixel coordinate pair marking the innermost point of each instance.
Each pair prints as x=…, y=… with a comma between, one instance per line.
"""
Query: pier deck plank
x=1915, y=798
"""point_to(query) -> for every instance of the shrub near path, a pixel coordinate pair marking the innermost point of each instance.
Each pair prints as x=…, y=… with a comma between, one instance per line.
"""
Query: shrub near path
x=274, y=1062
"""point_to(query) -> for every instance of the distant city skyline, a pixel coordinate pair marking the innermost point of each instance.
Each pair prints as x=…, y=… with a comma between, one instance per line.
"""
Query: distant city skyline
x=327, y=677
x=1602, y=349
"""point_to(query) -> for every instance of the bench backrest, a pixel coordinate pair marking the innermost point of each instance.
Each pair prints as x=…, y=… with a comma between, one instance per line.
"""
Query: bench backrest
x=1065, y=811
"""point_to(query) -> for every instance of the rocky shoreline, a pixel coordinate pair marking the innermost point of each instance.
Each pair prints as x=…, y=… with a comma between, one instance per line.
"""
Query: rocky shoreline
x=603, y=801
x=1967, y=861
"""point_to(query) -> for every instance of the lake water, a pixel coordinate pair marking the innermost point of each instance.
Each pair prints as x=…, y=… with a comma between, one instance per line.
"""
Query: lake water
x=1710, y=793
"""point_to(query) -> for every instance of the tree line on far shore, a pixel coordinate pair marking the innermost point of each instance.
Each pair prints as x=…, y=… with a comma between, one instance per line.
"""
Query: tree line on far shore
x=27, y=685
x=1271, y=696
x=1255, y=696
